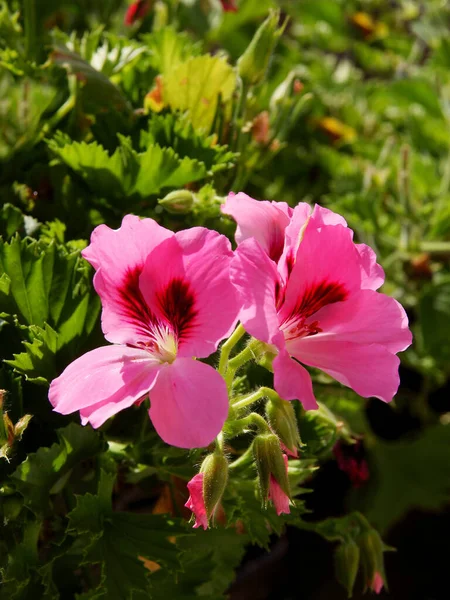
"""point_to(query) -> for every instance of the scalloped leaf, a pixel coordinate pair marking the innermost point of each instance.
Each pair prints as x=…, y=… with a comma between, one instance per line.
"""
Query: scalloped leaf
x=127, y=174
x=196, y=85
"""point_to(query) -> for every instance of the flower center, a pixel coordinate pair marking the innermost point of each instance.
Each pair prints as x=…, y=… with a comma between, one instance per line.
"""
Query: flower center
x=163, y=344
x=299, y=329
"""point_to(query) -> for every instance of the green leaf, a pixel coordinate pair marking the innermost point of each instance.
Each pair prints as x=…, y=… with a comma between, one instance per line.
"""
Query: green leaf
x=37, y=363
x=196, y=86
x=127, y=173
x=209, y=559
x=38, y=476
x=98, y=92
x=120, y=542
x=410, y=474
x=179, y=134
x=168, y=48
x=434, y=319
x=11, y=220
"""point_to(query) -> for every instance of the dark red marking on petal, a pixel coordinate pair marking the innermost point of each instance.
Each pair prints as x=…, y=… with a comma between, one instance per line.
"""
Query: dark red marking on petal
x=276, y=245
x=316, y=297
x=290, y=261
x=133, y=307
x=177, y=303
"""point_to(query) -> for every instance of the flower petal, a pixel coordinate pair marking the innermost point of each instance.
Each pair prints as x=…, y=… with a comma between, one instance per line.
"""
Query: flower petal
x=372, y=272
x=196, y=502
x=326, y=270
x=188, y=403
x=112, y=376
x=292, y=381
x=207, y=259
x=370, y=370
x=259, y=219
x=119, y=255
x=367, y=317
x=256, y=279
x=186, y=283
x=279, y=498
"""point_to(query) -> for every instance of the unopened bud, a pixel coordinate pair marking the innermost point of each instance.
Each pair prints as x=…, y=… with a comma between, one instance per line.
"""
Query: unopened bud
x=346, y=564
x=252, y=65
x=270, y=463
x=179, y=202
x=215, y=477
x=283, y=422
x=372, y=561
x=2, y=398
x=9, y=429
x=21, y=425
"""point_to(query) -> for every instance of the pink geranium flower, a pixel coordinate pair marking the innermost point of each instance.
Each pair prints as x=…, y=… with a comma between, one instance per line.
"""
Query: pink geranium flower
x=196, y=501
x=166, y=298
x=279, y=499
x=310, y=293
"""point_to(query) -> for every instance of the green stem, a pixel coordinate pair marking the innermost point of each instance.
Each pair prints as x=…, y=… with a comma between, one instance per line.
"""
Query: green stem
x=255, y=396
x=244, y=460
x=228, y=346
x=219, y=443
x=62, y=111
x=238, y=361
x=30, y=25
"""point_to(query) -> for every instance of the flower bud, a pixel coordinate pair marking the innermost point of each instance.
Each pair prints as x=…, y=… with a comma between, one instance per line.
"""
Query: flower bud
x=372, y=560
x=252, y=65
x=271, y=464
x=283, y=422
x=215, y=470
x=206, y=488
x=179, y=202
x=346, y=564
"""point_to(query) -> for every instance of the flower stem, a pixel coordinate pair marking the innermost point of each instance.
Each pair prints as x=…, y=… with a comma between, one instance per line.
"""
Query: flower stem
x=228, y=346
x=255, y=396
x=243, y=460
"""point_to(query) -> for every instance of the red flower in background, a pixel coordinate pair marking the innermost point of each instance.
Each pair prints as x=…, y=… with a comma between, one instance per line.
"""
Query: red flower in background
x=228, y=5
x=137, y=10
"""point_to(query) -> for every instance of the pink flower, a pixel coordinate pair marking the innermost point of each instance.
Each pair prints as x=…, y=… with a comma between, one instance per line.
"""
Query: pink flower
x=229, y=5
x=196, y=502
x=310, y=292
x=137, y=10
x=166, y=298
x=279, y=498
x=377, y=583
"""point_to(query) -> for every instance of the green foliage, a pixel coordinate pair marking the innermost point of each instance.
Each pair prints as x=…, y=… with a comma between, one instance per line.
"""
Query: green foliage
x=46, y=472
x=127, y=174
x=410, y=474
x=99, y=119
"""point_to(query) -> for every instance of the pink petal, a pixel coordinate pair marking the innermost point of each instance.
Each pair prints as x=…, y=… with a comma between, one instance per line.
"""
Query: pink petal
x=207, y=259
x=119, y=255
x=372, y=272
x=326, y=270
x=367, y=317
x=186, y=283
x=279, y=498
x=196, y=502
x=293, y=235
x=188, y=403
x=259, y=219
x=292, y=381
x=377, y=583
x=114, y=377
x=324, y=216
x=370, y=370
x=256, y=279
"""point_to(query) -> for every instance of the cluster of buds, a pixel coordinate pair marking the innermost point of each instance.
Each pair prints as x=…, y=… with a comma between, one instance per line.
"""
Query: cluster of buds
x=365, y=551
